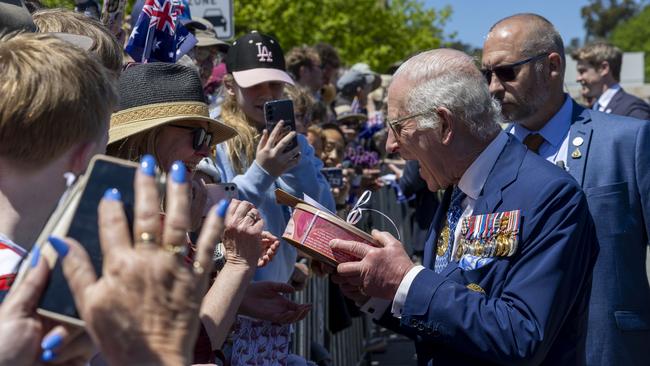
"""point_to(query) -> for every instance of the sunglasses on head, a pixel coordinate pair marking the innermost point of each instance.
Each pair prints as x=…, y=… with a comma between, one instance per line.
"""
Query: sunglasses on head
x=507, y=72
x=200, y=136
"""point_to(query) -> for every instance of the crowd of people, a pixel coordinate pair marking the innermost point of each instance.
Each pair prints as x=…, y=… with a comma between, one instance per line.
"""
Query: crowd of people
x=529, y=233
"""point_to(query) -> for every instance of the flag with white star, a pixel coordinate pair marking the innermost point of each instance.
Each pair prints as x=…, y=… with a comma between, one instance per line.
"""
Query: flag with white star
x=158, y=35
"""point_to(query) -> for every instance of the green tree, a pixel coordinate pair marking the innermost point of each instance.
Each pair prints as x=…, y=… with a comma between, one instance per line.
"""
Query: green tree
x=634, y=35
x=376, y=32
x=600, y=19
x=68, y=4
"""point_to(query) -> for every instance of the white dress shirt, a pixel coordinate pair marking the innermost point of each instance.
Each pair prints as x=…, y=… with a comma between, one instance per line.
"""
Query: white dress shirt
x=606, y=97
x=555, y=132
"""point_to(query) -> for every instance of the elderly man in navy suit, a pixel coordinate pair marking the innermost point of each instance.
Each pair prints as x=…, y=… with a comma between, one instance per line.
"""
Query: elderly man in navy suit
x=608, y=155
x=507, y=269
x=599, y=71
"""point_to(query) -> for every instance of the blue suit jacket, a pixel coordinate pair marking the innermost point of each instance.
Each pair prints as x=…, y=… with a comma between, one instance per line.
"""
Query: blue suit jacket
x=534, y=306
x=625, y=104
x=614, y=172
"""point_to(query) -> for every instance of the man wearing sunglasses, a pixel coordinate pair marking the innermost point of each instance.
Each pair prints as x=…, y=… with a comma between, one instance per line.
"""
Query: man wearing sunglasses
x=608, y=156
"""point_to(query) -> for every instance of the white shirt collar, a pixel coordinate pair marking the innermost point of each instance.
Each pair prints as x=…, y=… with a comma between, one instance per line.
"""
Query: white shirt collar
x=607, y=96
x=554, y=130
x=473, y=180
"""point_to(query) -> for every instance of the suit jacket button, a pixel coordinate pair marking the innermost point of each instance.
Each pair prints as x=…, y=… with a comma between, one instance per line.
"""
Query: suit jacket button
x=414, y=322
x=420, y=326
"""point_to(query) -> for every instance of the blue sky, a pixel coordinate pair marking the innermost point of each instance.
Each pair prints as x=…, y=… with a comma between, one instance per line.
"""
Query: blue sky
x=472, y=18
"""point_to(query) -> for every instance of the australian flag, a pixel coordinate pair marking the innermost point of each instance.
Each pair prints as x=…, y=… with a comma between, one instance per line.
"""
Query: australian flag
x=158, y=35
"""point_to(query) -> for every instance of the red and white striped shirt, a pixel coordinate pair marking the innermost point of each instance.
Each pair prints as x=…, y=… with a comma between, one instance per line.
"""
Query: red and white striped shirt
x=11, y=254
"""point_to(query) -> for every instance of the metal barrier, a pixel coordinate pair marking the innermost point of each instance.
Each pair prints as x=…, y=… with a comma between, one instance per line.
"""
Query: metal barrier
x=347, y=346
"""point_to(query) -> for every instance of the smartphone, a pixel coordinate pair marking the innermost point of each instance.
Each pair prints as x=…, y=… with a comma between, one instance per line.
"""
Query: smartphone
x=334, y=176
x=77, y=218
x=281, y=110
x=217, y=192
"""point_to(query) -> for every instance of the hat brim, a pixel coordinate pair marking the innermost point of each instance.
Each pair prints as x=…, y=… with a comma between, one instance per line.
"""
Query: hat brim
x=212, y=41
x=220, y=131
x=248, y=78
x=358, y=117
x=193, y=24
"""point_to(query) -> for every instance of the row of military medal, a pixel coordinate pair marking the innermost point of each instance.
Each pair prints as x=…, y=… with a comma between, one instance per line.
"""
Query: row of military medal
x=489, y=235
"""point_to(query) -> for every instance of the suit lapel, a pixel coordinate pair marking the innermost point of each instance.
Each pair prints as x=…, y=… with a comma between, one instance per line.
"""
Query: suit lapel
x=616, y=100
x=579, y=142
x=503, y=173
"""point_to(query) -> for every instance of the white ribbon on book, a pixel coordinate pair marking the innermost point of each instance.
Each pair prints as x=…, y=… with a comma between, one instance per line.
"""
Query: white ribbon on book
x=355, y=215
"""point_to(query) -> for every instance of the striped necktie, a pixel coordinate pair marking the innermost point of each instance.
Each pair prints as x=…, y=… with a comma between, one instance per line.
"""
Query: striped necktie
x=454, y=213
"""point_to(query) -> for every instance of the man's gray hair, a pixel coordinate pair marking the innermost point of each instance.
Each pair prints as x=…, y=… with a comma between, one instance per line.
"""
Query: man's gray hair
x=449, y=78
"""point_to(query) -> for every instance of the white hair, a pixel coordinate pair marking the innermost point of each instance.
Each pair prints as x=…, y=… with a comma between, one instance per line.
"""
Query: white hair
x=449, y=78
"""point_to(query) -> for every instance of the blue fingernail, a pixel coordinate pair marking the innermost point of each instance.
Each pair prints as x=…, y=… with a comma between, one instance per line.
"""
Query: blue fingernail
x=112, y=194
x=36, y=255
x=48, y=355
x=148, y=165
x=222, y=207
x=51, y=342
x=59, y=245
x=178, y=172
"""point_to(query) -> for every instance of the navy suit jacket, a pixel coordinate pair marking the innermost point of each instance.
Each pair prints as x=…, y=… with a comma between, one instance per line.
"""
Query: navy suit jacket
x=534, y=306
x=625, y=104
x=614, y=172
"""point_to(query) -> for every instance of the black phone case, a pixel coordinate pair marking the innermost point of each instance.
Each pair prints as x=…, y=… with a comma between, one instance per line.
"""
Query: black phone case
x=281, y=110
x=57, y=298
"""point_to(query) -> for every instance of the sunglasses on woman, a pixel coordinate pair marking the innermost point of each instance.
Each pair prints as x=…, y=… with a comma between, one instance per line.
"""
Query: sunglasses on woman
x=200, y=136
x=507, y=72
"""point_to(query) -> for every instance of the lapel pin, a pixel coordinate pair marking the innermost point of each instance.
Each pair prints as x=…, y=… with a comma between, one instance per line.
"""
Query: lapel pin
x=578, y=141
x=576, y=154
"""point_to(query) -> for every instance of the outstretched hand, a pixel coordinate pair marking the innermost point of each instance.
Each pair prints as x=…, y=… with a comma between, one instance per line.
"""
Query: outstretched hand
x=267, y=301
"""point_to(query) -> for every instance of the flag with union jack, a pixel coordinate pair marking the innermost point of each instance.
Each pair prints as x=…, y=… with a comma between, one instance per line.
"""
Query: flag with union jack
x=157, y=35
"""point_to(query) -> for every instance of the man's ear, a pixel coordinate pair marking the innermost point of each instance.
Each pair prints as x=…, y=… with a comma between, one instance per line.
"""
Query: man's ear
x=555, y=65
x=445, y=125
x=603, y=69
x=230, y=86
x=80, y=156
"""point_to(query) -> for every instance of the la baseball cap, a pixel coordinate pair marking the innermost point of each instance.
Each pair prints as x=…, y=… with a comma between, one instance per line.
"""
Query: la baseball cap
x=255, y=58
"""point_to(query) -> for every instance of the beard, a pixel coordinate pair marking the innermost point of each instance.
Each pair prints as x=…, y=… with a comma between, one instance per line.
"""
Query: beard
x=528, y=103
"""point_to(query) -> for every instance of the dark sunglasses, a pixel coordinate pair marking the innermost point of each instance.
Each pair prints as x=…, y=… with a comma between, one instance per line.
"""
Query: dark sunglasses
x=507, y=72
x=200, y=136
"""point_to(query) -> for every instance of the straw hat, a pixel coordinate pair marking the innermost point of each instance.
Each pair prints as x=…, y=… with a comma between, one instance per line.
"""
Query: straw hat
x=159, y=93
x=344, y=112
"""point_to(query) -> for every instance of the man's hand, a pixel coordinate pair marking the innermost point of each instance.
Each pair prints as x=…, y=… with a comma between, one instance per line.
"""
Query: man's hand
x=380, y=270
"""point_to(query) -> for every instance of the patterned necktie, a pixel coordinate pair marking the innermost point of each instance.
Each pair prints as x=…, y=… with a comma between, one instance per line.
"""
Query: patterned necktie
x=453, y=215
x=534, y=141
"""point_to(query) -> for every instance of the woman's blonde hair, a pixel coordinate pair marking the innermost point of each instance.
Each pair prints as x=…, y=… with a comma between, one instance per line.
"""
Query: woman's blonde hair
x=240, y=149
x=133, y=147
